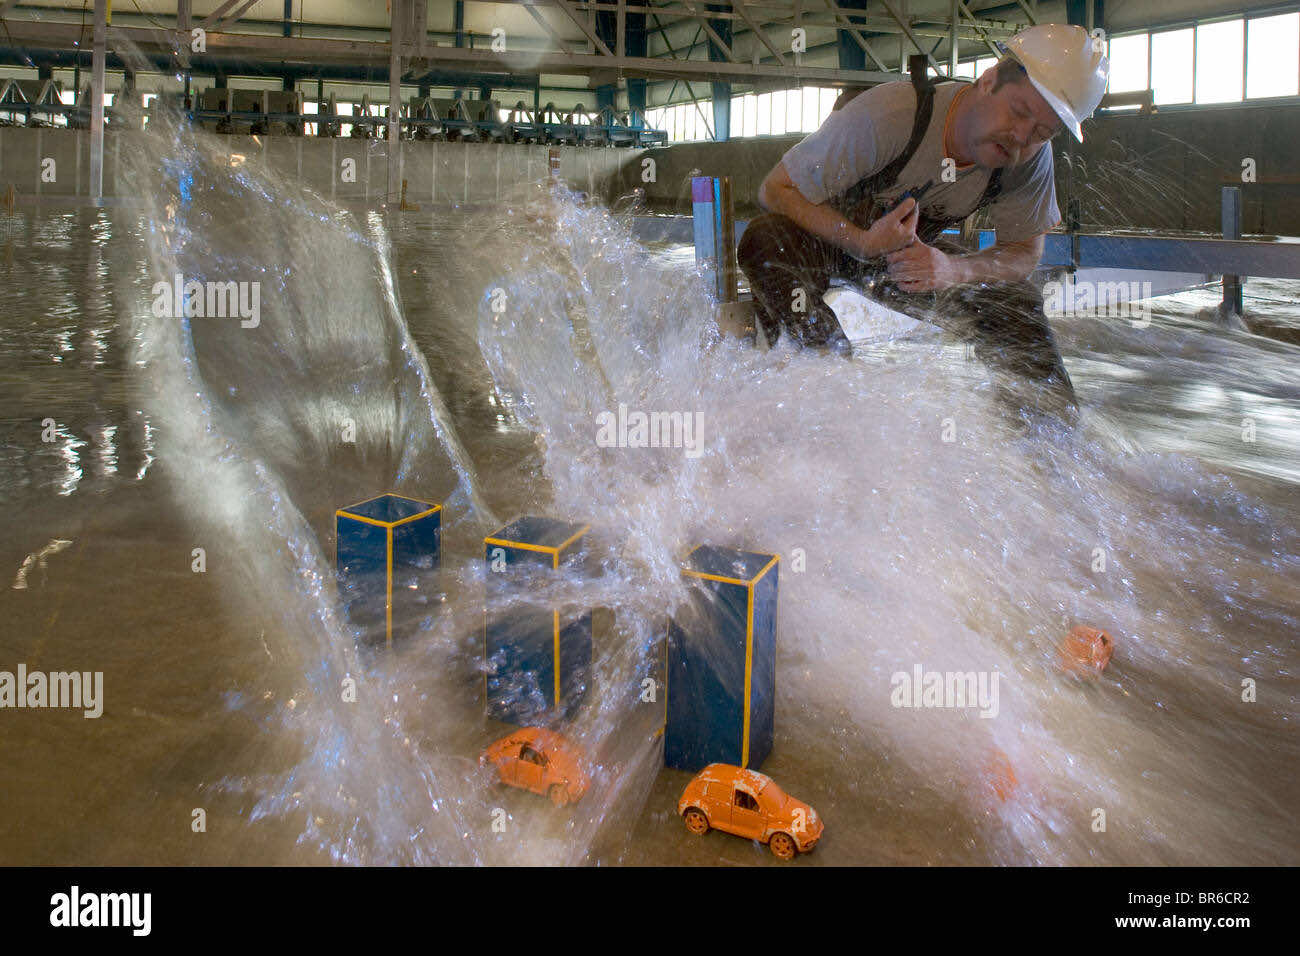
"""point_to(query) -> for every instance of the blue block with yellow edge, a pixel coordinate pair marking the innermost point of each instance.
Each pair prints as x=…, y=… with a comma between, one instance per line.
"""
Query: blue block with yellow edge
x=722, y=661
x=384, y=545
x=538, y=654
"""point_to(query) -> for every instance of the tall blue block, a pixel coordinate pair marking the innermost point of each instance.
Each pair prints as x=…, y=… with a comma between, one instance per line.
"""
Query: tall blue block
x=722, y=661
x=382, y=545
x=538, y=656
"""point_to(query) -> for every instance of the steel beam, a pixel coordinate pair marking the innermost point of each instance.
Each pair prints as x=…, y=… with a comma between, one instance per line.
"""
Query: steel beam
x=309, y=52
x=564, y=7
x=983, y=33
x=1273, y=260
x=739, y=5
x=907, y=32
x=210, y=21
x=541, y=22
x=234, y=17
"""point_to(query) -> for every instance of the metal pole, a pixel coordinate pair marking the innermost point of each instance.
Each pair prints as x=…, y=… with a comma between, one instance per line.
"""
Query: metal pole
x=97, y=102
x=953, y=43
x=1230, y=215
x=395, y=98
x=184, y=20
x=727, y=265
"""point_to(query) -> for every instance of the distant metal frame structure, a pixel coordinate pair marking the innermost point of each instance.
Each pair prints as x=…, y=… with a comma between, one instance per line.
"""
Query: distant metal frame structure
x=756, y=16
x=409, y=44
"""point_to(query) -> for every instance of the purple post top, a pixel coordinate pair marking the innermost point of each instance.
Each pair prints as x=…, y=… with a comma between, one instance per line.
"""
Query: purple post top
x=702, y=189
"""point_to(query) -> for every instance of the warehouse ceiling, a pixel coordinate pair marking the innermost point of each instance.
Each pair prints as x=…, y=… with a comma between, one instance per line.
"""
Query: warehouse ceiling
x=558, y=44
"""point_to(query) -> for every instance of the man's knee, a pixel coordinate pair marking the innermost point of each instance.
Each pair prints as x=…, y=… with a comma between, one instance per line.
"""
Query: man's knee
x=769, y=239
x=1011, y=327
x=1015, y=298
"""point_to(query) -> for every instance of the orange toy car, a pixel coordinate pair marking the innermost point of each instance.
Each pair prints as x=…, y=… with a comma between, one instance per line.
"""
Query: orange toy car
x=749, y=804
x=539, y=760
x=1086, y=650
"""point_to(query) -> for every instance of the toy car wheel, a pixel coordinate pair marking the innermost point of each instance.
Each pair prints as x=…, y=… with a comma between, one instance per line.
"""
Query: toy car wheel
x=559, y=796
x=696, y=821
x=782, y=846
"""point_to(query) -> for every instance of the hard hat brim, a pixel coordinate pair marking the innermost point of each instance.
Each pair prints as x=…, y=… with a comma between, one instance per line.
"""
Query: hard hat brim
x=1060, y=108
x=1058, y=105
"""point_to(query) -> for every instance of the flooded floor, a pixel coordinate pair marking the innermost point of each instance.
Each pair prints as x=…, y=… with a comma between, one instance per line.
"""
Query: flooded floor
x=470, y=352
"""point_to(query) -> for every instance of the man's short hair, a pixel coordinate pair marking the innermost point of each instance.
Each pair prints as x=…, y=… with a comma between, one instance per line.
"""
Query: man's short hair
x=1008, y=70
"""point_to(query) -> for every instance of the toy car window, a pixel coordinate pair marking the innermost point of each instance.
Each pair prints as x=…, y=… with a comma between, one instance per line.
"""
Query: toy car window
x=532, y=756
x=745, y=801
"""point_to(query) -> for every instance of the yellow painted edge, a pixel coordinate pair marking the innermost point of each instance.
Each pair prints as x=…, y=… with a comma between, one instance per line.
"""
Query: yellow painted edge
x=767, y=567
x=388, y=604
x=387, y=524
x=749, y=665
x=663, y=675
x=351, y=517
x=741, y=581
x=581, y=531
x=715, y=577
x=526, y=546
x=555, y=626
x=501, y=542
x=556, y=668
x=423, y=514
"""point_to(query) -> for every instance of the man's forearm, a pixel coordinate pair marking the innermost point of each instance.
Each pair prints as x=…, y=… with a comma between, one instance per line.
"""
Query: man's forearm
x=821, y=220
x=1002, y=262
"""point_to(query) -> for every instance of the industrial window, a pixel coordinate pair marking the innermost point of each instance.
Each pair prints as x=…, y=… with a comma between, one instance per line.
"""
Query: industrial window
x=1171, y=66
x=966, y=69
x=778, y=113
x=1220, y=57
x=751, y=115
x=984, y=63
x=1129, y=63
x=826, y=104
x=1273, y=55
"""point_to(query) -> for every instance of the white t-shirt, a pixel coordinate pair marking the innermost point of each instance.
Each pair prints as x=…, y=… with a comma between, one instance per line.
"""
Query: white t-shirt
x=872, y=130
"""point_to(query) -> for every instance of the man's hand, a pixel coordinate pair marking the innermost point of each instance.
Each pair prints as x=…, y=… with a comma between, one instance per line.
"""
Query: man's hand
x=922, y=268
x=893, y=230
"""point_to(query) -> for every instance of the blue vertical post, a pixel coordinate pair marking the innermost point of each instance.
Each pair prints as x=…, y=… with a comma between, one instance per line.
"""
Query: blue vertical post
x=852, y=56
x=721, y=91
x=715, y=233
x=1230, y=216
x=637, y=46
x=607, y=31
x=721, y=665
x=538, y=655
x=382, y=548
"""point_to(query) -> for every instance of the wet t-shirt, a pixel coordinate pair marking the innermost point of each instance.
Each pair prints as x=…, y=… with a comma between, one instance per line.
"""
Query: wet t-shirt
x=873, y=129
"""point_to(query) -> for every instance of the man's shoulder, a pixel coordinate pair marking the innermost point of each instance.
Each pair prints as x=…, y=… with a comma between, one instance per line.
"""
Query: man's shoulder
x=885, y=102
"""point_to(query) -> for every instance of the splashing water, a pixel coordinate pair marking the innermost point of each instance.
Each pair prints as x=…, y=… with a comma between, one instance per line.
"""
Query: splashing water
x=976, y=554
x=900, y=549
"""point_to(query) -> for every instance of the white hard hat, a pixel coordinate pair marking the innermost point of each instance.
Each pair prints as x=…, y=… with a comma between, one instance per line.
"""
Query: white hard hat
x=1066, y=65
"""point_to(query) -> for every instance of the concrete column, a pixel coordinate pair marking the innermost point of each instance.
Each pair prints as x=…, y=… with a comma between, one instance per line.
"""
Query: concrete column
x=97, y=101
x=397, y=19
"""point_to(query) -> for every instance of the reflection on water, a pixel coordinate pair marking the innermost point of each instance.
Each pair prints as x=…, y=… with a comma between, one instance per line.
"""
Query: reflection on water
x=975, y=554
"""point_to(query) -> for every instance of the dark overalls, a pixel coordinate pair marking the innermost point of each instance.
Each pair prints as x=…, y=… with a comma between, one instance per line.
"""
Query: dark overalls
x=1004, y=320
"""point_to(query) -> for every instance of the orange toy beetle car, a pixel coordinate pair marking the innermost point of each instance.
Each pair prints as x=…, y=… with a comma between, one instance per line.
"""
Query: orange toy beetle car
x=749, y=804
x=539, y=760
